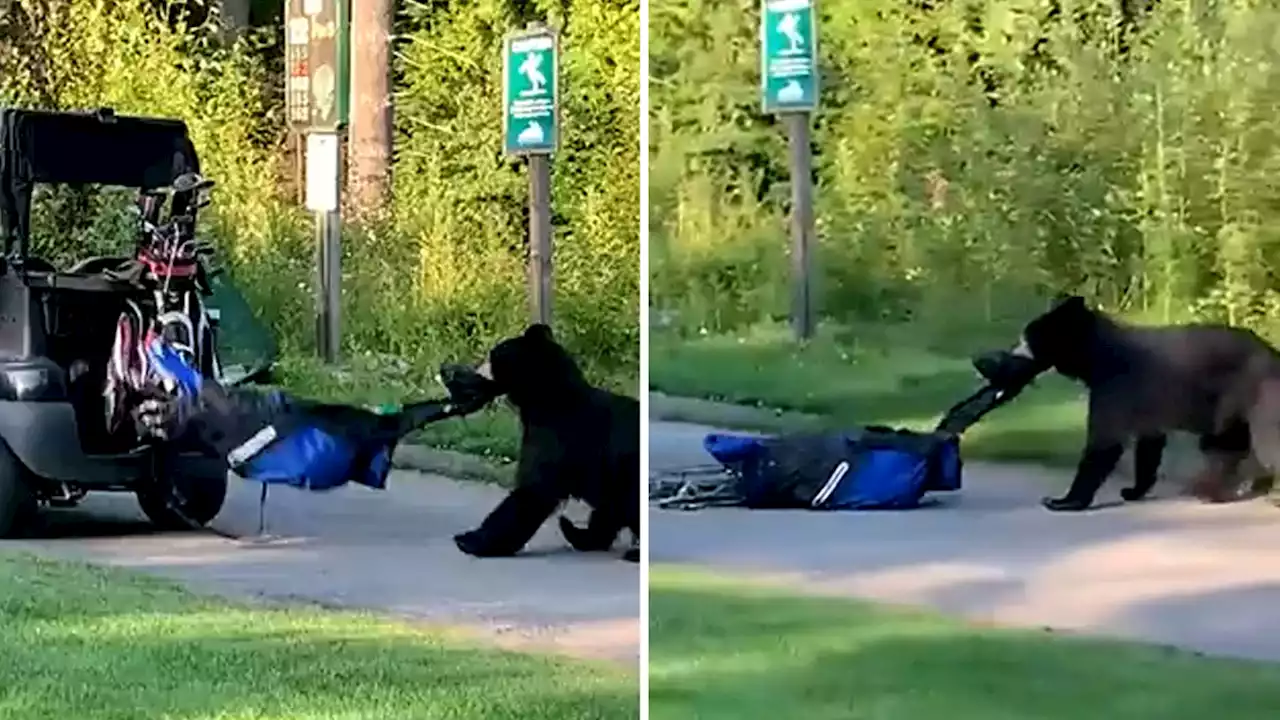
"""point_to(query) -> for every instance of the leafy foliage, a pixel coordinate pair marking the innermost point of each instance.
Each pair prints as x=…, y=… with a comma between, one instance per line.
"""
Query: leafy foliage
x=462, y=205
x=971, y=157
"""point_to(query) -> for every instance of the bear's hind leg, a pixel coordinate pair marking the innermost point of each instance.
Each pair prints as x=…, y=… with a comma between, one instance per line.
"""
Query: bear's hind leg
x=601, y=530
x=1147, y=454
x=1264, y=485
x=1218, y=482
x=1224, y=453
x=1264, y=431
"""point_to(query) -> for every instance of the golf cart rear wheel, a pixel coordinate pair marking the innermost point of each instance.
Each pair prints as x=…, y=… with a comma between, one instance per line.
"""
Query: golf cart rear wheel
x=184, y=495
x=18, y=504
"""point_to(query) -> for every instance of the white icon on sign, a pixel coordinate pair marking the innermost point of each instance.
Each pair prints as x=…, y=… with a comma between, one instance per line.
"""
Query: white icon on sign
x=791, y=93
x=531, y=135
x=324, y=90
x=789, y=27
x=531, y=69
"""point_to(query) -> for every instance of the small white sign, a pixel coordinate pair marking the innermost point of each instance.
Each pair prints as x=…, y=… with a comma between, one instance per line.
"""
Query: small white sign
x=299, y=31
x=323, y=155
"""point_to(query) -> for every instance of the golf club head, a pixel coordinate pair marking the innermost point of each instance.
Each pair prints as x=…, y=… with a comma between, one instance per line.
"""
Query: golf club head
x=467, y=387
x=1004, y=369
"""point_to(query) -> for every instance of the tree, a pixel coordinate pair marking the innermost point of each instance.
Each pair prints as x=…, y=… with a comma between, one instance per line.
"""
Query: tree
x=369, y=148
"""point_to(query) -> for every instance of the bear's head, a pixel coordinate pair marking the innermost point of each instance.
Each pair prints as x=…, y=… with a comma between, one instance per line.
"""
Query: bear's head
x=533, y=370
x=1062, y=338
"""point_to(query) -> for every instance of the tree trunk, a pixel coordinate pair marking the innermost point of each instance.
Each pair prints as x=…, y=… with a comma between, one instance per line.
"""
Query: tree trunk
x=369, y=148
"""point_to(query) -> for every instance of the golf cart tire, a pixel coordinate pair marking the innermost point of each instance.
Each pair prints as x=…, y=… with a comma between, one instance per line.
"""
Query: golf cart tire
x=18, y=504
x=201, y=490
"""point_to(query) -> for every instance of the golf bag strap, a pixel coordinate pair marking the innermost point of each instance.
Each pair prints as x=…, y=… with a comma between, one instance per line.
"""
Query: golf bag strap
x=966, y=413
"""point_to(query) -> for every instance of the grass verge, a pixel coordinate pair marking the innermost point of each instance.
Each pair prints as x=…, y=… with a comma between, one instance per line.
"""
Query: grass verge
x=869, y=375
x=721, y=649
x=96, y=644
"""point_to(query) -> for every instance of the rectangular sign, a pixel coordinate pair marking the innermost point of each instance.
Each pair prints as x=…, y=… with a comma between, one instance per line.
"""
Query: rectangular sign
x=789, y=56
x=531, y=92
x=317, y=78
x=324, y=164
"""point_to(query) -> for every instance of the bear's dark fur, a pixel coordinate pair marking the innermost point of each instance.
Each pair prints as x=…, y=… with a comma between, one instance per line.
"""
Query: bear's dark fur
x=1217, y=382
x=577, y=441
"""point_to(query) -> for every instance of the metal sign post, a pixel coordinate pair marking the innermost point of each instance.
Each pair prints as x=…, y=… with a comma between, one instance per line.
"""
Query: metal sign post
x=317, y=95
x=531, y=127
x=789, y=87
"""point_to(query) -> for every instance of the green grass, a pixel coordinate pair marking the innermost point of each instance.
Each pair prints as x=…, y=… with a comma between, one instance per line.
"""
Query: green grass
x=871, y=375
x=86, y=643
x=722, y=650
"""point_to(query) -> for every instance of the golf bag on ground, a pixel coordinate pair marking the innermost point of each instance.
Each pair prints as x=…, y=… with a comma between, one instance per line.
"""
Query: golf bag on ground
x=273, y=438
x=873, y=468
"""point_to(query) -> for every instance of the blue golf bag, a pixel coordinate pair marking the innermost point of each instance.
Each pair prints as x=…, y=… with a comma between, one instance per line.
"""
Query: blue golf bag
x=875, y=468
x=273, y=438
x=871, y=468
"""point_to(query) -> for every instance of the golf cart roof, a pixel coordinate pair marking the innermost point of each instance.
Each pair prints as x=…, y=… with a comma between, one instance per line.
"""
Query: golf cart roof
x=93, y=147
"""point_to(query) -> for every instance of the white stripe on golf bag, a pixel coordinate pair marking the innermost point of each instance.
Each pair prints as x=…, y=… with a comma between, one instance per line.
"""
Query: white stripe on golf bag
x=246, y=451
x=833, y=482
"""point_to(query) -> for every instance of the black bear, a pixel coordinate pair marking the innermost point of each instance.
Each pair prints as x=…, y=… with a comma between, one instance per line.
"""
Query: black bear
x=1219, y=383
x=578, y=441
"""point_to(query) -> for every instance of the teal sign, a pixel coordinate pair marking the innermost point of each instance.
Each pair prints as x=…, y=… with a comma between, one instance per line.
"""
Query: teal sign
x=531, y=92
x=317, y=59
x=789, y=56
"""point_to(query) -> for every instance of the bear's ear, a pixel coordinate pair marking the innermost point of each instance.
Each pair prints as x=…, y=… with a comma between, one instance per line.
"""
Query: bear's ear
x=539, y=331
x=1065, y=301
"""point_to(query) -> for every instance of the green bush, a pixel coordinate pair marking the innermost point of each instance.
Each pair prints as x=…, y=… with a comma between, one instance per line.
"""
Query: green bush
x=972, y=157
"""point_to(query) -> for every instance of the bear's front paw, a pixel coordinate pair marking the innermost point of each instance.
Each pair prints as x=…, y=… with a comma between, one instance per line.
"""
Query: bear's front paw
x=474, y=544
x=1132, y=494
x=1065, y=504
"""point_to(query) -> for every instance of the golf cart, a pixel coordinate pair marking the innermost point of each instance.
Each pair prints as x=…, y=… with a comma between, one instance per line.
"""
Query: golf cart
x=71, y=366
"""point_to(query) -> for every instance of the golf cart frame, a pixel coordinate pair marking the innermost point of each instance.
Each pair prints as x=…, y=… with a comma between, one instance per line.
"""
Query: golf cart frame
x=57, y=327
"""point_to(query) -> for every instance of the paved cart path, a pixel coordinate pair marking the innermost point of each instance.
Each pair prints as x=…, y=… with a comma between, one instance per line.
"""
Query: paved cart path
x=390, y=551
x=1171, y=570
